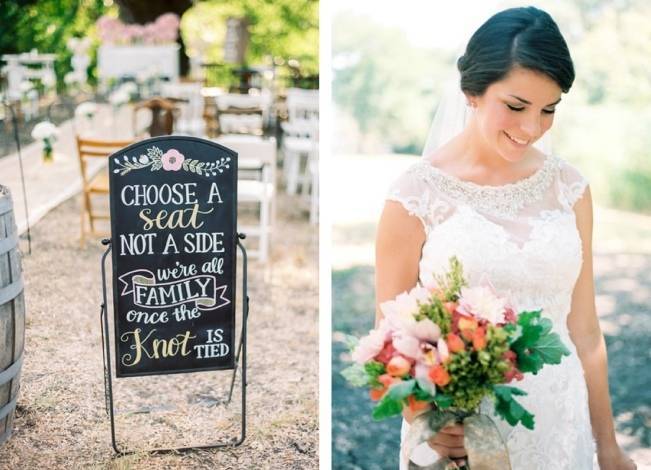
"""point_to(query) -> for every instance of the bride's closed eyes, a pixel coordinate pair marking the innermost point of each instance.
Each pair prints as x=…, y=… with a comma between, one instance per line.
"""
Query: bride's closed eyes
x=521, y=108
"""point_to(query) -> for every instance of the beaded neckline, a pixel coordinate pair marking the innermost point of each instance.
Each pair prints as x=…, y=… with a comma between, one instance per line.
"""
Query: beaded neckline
x=503, y=200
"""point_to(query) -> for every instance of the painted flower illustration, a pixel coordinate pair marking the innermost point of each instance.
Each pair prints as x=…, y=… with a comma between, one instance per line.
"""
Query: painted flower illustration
x=172, y=160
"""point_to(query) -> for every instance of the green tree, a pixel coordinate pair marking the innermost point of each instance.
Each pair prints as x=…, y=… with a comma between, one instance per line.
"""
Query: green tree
x=389, y=86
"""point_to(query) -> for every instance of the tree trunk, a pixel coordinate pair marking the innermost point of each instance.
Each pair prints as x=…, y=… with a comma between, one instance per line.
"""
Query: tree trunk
x=145, y=11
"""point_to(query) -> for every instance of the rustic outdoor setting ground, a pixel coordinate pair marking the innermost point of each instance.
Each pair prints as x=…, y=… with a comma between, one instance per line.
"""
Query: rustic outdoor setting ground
x=61, y=421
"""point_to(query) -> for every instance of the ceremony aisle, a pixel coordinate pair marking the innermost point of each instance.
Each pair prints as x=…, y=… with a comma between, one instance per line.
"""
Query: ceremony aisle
x=61, y=420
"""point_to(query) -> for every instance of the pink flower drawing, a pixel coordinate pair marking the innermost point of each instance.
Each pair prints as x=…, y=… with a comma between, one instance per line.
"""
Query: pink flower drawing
x=172, y=160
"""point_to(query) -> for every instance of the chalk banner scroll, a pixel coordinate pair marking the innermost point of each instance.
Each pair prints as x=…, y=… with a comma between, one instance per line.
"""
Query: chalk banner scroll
x=173, y=233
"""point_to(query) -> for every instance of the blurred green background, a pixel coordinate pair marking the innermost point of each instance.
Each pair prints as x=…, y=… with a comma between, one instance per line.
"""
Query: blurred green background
x=282, y=32
x=389, y=64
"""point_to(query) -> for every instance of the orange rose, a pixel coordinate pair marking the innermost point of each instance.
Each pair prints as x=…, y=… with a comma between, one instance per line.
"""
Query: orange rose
x=398, y=366
x=468, y=326
x=377, y=393
x=455, y=344
x=439, y=375
x=479, y=339
x=416, y=405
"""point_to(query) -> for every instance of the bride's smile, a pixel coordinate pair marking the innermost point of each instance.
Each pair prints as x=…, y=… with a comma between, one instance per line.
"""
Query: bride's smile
x=513, y=114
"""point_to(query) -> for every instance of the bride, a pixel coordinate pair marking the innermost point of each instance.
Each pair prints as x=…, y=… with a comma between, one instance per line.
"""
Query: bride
x=524, y=217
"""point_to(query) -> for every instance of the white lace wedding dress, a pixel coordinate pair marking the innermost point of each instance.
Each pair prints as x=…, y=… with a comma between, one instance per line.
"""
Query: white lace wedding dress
x=524, y=236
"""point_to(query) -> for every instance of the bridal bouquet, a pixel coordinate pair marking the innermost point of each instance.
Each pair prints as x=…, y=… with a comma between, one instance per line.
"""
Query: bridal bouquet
x=446, y=347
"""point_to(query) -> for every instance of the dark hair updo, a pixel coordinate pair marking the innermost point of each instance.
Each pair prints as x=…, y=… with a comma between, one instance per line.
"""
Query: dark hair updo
x=525, y=37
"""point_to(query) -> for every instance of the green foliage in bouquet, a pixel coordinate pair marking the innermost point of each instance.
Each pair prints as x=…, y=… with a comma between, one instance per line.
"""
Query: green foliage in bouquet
x=473, y=373
x=452, y=281
x=436, y=312
x=535, y=344
x=509, y=409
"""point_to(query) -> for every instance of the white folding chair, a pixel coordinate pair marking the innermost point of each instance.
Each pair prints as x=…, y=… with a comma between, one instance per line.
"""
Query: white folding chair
x=191, y=103
x=299, y=134
x=256, y=155
x=243, y=114
x=314, y=196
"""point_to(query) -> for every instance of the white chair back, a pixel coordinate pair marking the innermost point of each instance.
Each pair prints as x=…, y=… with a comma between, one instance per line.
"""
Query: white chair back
x=256, y=155
x=190, y=120
x=302, y=105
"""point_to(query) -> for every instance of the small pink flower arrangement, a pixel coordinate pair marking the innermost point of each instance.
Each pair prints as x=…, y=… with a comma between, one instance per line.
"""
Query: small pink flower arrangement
x=162, y=31
x=172, y=160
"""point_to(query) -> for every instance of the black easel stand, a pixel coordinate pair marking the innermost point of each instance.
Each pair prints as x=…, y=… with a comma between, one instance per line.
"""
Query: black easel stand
x=241, y=352
x=14, y=123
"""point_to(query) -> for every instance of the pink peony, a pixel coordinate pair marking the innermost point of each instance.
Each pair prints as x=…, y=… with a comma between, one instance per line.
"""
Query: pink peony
x=407, y=346
x=369, y=346
x=400, y=312
x=482, y=302
x=425, y=330
x=172, y=160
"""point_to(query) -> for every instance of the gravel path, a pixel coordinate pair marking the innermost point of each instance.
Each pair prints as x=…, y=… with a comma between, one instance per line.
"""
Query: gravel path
x=60, y=420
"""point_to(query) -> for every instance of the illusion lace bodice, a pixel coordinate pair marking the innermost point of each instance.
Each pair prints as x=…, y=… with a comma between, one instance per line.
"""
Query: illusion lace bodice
x=523, y=237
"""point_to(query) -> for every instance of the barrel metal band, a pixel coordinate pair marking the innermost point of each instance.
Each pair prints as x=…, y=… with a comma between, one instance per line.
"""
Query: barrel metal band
x=6, y=435
x=6, y=204
x=8, y=243
x=8, y=374
x=11, y=291
x=5, y=410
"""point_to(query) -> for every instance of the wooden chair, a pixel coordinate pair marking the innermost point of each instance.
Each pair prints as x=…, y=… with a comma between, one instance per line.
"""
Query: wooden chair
x=163, y=114
x=93, y=159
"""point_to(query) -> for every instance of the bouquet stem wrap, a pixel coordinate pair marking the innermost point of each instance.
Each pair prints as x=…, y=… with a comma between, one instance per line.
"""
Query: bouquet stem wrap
x=482, y=440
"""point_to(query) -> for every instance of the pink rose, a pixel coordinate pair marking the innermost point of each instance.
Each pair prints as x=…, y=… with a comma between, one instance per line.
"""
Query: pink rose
x=172, y=160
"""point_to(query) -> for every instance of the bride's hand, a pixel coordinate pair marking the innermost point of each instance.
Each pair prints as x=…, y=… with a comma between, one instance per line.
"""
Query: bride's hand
x=614, y=459
x=448, y=442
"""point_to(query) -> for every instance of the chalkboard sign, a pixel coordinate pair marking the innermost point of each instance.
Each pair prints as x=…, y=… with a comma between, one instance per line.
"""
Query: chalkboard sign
x=174, y=235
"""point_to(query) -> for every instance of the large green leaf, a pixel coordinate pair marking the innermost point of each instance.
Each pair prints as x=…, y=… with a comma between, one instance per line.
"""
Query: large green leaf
x=509, y=409
x=536, y=345
x=387, y=408
x=551, y=348
x=392, y=402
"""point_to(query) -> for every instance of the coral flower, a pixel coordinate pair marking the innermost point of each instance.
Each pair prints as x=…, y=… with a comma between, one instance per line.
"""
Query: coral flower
x=439, y=375
x=479, y=339
x=455, y=343
x=377, y=393
x=398, y=366
x=467, y=325
x=417, y=405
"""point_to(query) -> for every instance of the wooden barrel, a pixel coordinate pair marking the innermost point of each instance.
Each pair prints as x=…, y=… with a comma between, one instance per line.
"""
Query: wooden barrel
x=12, y=315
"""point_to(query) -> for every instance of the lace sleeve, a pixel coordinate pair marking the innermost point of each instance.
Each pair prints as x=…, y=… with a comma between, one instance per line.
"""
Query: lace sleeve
x=572, y=185
x=417, y=196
